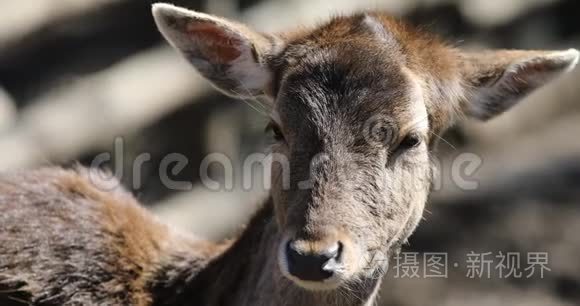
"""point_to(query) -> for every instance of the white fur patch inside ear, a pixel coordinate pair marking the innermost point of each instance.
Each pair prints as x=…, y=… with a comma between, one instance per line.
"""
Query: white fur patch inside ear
x=569, y=56
x=546, y=67
x=167, y=18
x=162, y=11
x=533, y=70
x=226, y=53
x=250, y=75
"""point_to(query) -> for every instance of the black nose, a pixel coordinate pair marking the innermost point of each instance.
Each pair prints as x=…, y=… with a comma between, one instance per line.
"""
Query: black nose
x=310, y=266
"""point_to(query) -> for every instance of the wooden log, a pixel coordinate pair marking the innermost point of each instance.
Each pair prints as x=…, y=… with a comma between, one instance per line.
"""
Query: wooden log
x=92, y=111
x=7, y=111
x=20, y=19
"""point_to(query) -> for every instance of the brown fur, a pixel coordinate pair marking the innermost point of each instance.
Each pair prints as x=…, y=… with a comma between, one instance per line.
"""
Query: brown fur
x=66, y=241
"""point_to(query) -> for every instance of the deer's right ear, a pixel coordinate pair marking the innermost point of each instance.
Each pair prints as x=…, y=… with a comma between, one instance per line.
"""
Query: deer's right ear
x=497, y=80
x=228, y=54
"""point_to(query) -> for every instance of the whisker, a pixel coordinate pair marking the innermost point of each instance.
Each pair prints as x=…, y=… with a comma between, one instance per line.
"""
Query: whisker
x=441, y=138
x=248, y=102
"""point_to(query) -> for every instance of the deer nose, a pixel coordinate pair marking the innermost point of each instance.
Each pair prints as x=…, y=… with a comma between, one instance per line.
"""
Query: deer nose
x=313, y=266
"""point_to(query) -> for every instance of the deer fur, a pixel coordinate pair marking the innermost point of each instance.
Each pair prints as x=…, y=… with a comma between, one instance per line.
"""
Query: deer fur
x=66, y=241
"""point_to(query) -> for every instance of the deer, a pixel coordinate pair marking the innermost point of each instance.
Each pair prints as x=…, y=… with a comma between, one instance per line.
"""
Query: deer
x=66, y=241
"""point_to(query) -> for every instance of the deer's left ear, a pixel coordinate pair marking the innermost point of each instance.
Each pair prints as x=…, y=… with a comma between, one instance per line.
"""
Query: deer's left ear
x=230, y=55
x=496, y=80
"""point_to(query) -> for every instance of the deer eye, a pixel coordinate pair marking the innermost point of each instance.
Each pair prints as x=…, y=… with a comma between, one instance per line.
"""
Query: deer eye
x=410, y=141
x=276, y=132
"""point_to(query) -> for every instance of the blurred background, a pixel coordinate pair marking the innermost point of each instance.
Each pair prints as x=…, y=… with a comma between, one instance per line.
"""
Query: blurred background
x=81, y=77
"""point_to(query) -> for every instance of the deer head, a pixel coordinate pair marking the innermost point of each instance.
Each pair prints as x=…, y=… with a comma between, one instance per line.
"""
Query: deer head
x=357, y=105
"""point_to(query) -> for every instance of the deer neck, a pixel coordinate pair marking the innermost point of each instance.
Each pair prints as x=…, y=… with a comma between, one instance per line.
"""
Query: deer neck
x=247, y=274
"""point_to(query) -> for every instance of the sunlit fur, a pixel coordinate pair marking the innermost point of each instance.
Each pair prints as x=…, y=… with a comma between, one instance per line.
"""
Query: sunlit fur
x=66, y=241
